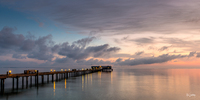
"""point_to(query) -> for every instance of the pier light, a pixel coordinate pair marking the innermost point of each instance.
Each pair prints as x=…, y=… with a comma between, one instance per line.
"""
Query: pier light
x=54, y=70
x=65, y=69
x=61, y=69
x=69, y=69
x=82, y=69
x=9, y=71
x=51, y=70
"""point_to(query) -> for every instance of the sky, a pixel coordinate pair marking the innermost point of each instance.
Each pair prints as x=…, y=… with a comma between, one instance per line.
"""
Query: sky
x=81, y=33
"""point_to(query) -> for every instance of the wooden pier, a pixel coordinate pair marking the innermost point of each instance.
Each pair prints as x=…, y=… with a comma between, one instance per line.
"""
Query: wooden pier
x=28, y=76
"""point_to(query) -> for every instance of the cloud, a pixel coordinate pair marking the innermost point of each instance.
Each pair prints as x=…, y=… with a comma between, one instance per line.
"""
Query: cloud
x=138, y=41
x=163, y=48
x=198, y=55
x=121, y=16
x=44, y=48
x=94, y=62
x=77, y=53
x=139, y=53
x=28, y=45
x=64, y=60
x=118, y=60
x=10, y=40
x=187, y=45
x=84, y=42
x=143, y=40
x=18, y=56
x=192, y=54
x=150, y=60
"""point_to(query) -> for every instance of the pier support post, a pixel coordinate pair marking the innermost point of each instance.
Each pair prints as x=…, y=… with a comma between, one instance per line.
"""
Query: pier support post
x=37, y=77
x=13, y=83
x=56, y=77
x=66, y=75
x=59, y=76
x=17, y=82
x=26, y=81
x=35, y=80
x=22, y=82
x=52, y=77
x=2, y=85
x=30, y=80
x=47, y=78
x=42, y=79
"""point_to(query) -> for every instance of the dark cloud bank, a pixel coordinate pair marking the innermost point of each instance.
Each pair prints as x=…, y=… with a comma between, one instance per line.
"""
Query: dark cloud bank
x=45, y=49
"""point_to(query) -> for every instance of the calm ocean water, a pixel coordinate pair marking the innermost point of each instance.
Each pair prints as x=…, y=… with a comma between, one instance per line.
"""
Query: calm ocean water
x=121, y=84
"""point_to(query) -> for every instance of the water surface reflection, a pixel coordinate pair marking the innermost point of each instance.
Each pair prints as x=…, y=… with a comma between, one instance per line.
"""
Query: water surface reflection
x=127, y=84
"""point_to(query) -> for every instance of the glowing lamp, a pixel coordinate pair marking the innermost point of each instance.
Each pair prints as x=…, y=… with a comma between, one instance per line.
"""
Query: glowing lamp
x=9, y=71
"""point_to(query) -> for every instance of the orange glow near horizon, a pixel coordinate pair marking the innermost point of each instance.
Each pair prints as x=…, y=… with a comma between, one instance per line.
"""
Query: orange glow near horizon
x=195, y=62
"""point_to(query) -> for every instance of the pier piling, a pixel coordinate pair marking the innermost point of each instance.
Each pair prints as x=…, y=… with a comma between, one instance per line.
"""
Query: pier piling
x=26, y=81
x=42, y=79
x=31, y=81
x=2, y=85
x=56, y=77
x=13, y=83
x=17, y=82
x=47, y=78
x=22, y=82
x=52, y=79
